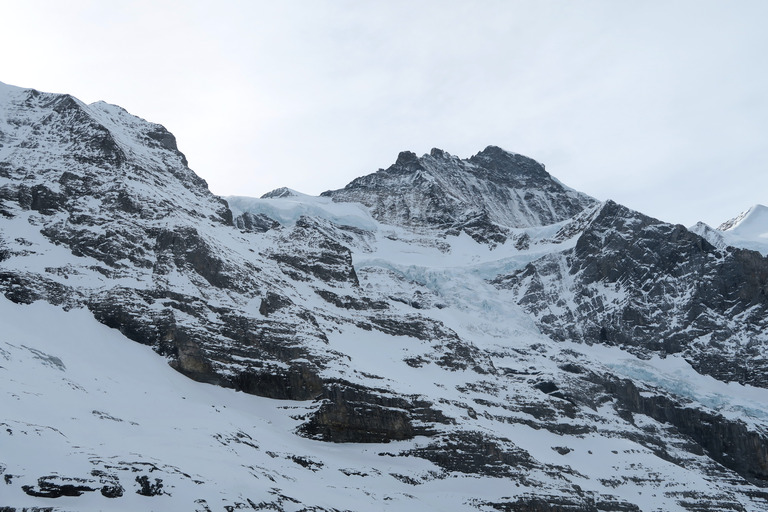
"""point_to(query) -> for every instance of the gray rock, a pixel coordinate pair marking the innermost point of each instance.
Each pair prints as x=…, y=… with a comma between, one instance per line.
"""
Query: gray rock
x=482, y=196
x=676, y=294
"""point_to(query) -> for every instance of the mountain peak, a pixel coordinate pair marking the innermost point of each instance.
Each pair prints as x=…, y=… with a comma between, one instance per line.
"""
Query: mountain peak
x=439, y=153
x=755, y=217
x=280, y=193
x=495, y=188
x=98, y=146
x=407, y=159
x=492, y=151
x=510, y=166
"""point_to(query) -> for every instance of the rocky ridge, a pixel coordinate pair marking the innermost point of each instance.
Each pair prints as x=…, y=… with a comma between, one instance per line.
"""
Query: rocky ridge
x=468, y=334
x=483, y=196
x=646, y=285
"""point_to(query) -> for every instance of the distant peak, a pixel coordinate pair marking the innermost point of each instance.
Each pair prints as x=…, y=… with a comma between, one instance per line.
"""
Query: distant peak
x=495, y=152
x=439, y=153
x=611, y=208
x=103, y=105
x=280, y=192
x=482, y=196
x=700, y=226
x=756, y=214
x=494, y=149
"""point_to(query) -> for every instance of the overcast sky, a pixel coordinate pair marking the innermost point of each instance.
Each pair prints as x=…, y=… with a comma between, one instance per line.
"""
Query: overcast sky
x=659, y=105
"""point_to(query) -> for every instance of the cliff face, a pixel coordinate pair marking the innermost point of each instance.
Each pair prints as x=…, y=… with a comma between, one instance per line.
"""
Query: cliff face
x=652, y=287
x=444, y=334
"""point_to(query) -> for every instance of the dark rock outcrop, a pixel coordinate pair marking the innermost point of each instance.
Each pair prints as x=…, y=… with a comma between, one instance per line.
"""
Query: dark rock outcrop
x=646, y=285
x=56, y=487
x=562, y=504
x=475, y=453
x=258, y=223
x=149, y=488
x=185, y=247
x=729, y=442
x=354, y=414
x=318, y=255
x=298, y=383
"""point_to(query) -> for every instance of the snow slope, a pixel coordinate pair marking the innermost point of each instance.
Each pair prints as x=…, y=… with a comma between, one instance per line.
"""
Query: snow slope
x=93, y=423
x=748, y=230
x=107, y=424
x=69, y=417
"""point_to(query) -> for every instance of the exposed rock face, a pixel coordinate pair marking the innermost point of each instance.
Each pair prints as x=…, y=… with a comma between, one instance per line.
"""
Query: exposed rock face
x=255, y=223
x=55, y=487
x=728, y=442
x=298, y=384
x=475, y=453
x=114, y=192
x=319, y=255
x=636, y=282
x=482, y=196
x=351, y=415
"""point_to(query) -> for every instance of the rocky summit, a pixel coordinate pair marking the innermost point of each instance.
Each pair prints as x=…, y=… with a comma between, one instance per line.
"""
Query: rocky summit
x=485, y=196
x=443, y=334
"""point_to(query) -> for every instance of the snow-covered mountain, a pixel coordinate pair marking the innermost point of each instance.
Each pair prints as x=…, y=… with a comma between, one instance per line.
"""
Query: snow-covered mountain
x=652, y=287
x=748, y=230
x=483, y=196
x=444, y=334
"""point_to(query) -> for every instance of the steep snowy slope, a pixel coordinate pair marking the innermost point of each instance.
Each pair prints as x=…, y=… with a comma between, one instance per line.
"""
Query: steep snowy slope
x=748, y=230
x=83, y=433
x=748, y=224
x=364, y=360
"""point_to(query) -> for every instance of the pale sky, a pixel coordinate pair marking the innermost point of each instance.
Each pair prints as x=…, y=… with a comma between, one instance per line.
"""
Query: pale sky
x=659, y=105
